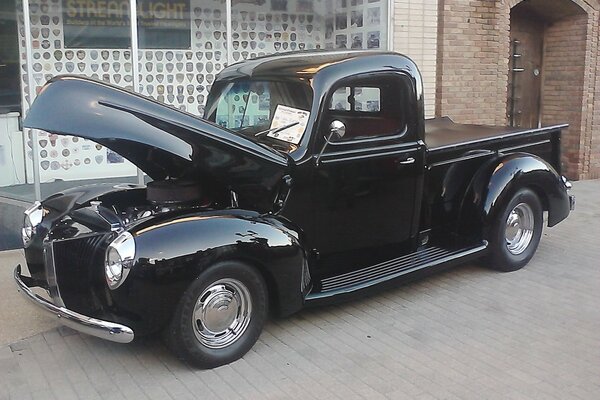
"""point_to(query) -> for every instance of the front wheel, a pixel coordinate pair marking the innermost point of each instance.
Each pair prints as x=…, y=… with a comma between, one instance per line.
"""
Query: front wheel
x=516, y=232
x=220, y=316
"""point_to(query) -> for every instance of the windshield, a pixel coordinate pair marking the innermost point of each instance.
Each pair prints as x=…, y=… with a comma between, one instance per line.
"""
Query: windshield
x=270, y=111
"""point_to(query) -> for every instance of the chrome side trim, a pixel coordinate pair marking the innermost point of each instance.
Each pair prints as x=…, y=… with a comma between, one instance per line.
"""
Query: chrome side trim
x=525, y=145
x=462, y=158
x=376, y=139
x=364, y=156
x=88, y=325
x=372, y=152
x=375, y=149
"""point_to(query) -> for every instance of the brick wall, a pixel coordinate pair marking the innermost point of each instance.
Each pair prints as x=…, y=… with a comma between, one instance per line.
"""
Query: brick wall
x=593, y=100
x=470, y=54
x=472, y=73
x=563, y=84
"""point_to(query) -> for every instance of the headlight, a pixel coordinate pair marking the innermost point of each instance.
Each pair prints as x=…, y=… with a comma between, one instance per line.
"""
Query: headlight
x=33, y=217
x=119, y=259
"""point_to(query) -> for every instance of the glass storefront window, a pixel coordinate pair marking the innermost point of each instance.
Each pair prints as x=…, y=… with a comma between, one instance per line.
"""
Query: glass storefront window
x=13, y=182
x=271, y=26
x=86, y=25
x=357, y=24
x=91, y=39
x=181, y=50
x=181, y=47
x=164, y=24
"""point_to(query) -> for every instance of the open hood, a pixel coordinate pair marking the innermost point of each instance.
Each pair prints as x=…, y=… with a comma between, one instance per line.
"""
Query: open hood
x=161, y=141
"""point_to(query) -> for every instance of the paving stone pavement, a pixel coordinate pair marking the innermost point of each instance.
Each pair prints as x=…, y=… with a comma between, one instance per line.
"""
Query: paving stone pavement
x=467, y=333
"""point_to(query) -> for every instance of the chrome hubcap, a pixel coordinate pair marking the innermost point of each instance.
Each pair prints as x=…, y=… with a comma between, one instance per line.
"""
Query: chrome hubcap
x=519, y=228
x=222, y=313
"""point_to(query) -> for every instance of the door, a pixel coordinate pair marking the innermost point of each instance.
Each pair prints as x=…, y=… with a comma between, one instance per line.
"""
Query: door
x=366, y=182
x=525, y=78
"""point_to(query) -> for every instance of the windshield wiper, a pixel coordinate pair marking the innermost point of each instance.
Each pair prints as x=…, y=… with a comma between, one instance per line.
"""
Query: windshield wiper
x=275, y=130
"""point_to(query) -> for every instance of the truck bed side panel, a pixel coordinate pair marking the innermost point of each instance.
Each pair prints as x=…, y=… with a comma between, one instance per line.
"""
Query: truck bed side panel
x=456, y=152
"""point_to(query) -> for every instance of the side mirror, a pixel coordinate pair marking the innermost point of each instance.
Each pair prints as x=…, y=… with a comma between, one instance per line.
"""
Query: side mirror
x=337, y=130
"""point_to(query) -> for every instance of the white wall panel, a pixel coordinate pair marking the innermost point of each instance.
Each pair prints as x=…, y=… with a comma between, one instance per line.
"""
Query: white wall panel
x=415, y=35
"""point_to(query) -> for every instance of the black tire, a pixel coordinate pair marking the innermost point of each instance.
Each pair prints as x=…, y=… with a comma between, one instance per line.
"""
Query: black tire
x=506, y=255
x=183, y=337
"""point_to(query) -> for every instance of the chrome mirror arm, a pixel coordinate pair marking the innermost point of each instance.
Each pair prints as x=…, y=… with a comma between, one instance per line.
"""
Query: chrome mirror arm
x=327, y=141
x=336, y=128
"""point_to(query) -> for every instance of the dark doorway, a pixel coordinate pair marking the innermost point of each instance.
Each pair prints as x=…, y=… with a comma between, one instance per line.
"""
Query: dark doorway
x=10, y=92
x=525, y=79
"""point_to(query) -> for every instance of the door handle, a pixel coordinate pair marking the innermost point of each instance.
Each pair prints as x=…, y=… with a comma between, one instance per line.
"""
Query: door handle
x=409, y=160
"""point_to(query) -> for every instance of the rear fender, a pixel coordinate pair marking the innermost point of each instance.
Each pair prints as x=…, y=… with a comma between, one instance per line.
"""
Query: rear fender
x=171, y=253
x=496, y=181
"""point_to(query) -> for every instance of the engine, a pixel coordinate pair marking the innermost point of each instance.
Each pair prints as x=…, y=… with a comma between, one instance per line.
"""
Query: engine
x=161, y=197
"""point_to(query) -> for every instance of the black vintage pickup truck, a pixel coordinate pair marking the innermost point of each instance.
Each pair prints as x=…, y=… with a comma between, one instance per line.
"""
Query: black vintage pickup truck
x=312, y=176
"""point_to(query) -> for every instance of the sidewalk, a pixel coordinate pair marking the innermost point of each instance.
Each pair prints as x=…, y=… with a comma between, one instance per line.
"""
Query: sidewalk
x=18, y=318
x=467, y=333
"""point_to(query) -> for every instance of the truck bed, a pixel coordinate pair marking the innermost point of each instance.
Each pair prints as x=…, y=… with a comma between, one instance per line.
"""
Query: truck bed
x=443, y=133
x=448, y=142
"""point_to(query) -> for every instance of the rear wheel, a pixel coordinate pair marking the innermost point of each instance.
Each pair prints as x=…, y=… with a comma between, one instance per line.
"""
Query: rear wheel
x=516, y=233
x=220, y=316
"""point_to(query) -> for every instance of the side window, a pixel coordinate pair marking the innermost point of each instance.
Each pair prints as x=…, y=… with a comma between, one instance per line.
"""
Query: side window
x=367, y=99
x=356, y=99
x=339, y=100
x=371, y=107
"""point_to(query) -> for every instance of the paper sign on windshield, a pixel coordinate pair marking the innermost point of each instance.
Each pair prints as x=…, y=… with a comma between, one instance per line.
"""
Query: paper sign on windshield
x=285, y=115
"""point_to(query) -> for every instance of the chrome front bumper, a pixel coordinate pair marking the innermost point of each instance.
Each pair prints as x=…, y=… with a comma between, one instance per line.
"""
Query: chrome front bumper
x=91, y=326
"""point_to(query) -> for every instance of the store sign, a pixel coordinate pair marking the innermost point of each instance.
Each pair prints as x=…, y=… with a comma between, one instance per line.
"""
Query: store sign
x=105, y=23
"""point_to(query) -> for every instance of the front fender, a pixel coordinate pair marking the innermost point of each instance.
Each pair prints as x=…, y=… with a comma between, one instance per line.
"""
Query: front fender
x=497, y=180
x=172, y=252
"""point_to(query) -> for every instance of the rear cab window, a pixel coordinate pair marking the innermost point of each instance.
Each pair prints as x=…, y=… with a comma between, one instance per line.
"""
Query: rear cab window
x=370, y=107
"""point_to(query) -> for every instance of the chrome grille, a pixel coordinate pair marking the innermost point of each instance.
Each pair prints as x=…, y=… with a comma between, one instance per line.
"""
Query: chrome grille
x=74, y=259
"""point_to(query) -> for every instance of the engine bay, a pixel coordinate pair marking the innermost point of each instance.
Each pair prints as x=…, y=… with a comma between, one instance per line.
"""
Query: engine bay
x=131, y=203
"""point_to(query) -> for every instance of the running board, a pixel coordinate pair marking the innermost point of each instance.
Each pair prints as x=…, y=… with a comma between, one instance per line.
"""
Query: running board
x=427, y=257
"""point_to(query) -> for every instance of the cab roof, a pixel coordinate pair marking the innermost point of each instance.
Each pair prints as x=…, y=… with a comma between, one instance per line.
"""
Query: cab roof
x=324, y=71
x=308, y=64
